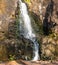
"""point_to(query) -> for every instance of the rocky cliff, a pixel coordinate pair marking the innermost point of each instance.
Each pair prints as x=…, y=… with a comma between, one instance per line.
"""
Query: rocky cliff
x=45, y=15
x=7, y=9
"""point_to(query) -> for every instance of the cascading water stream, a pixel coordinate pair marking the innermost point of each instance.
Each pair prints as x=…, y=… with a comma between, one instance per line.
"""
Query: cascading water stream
x=27, y=28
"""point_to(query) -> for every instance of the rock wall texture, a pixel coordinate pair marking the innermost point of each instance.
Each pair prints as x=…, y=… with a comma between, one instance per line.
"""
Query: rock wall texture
x=7, y=8
x=49, y=43
x=35, y=7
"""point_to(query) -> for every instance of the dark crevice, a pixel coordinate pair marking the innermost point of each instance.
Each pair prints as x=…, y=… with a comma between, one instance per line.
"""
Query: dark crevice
x=47, y=22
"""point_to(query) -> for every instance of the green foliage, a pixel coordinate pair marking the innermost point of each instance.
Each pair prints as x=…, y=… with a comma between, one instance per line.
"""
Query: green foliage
x=11, y=57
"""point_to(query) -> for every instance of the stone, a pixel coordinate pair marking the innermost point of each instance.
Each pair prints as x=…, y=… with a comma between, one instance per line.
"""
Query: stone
x=7, y=10
x=12, y=63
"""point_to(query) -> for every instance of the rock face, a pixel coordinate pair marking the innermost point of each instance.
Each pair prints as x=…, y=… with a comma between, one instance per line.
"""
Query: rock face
x=7, y=8
x=35, y=7
x=50, y=25
x=49, y=44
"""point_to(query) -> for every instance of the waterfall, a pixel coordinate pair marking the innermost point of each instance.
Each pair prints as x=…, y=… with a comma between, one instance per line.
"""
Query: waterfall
x=25, y=26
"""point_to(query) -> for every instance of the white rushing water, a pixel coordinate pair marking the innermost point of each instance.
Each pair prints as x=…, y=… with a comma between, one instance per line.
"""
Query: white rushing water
x=27, y=28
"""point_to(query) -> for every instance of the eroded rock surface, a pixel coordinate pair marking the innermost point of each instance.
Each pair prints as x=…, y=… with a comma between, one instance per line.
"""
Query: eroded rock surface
x=50, y=43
